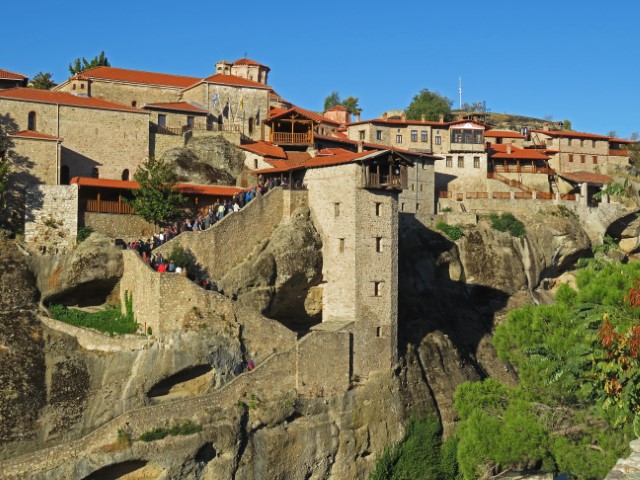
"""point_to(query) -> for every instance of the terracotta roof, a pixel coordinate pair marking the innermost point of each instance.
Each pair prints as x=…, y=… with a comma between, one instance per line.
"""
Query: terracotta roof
x=6, y=74
x=502, y=134
x=332, y=151
x=34, y=134
x=586, y=177
x=319, y=161
x=375, y=146
x=339, y=108
x=216, y=190
x=63, y=98
x=276, y=112
x=178, y=106
x=340, y=134
x=572, y=134
x=233, y=80
x=265, y=149
x=138, y=76
x=248, y=61
x=620, y=140
x=398, y=122
x=297, y=158
x=500, y=151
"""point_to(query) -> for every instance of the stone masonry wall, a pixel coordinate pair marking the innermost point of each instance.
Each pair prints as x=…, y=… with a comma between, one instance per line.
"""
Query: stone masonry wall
x=333, y=349
x=126, y=227
x=419, y=197
x=37, y=160
x=51, y=218
x=126, y=94
x=231, y=240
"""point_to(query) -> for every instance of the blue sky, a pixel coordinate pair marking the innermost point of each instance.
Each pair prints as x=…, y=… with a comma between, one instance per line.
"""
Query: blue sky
x=567, y=59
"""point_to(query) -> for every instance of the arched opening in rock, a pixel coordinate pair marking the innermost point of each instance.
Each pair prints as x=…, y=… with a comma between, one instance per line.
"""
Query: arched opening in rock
x=297, y=304
x=190, y=381
x=618, y=227
x=206, y=453
x=124, y=470
x=88, y=294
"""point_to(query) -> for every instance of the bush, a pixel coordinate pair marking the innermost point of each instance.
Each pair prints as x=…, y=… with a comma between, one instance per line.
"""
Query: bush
x=83, y=233
x=187, y=428
x=508, y=223
x=454, y=232
x=110, y=320
x=182, y=258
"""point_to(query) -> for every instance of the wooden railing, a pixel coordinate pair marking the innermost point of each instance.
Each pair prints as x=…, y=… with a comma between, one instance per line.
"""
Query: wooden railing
x=444, y=194
x=523, y=169
x=501, y=195
x=477, y=194
x=521, y=195
x=568, y=196
x=505, y=195
x=545, y=195
x=377, y=180
x=201, y=127
x=293, y=138
x=107, y=206
x=618, y=153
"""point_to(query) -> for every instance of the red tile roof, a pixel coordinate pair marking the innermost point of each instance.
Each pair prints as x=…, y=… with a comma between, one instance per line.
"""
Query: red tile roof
x=572, y=134
x=332, y=151
x=399, y=122
x=63, y=98
x=502, y=134
x=215, y=190
x=6, y=74
x=339, y=108
x=586, y=177
x=620, y=140
x=138, y=76
x=297, y=158
x=177, y=106
x=34, y=134
x=319, y=161
x=233, y=80
x=265, y=149
x=276, y=112
x=500, y=151
x=375, y=146
x=248, y=61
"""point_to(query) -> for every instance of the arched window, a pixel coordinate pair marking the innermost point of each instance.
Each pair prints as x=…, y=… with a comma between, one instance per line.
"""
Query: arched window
x=250, y=125
x=125, y=174
x=32, y=121
x=64, y=175
x=74, y=86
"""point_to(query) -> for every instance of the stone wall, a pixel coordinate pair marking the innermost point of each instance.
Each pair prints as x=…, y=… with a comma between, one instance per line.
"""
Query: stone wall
x=333, y=350
x=37, y=161
x=126, y=94
x=419, y=197
x=232, y=239
x=51, y=218
x=127, y=227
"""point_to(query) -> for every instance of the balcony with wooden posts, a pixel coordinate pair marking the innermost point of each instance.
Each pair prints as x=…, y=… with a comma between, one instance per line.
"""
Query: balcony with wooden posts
x=292, y=127
x=107, y=206
x=385, y=176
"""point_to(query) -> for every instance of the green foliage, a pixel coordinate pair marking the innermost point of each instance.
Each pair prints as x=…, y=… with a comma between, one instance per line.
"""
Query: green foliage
x=607, y=245
x=42, y=81
x=124, y=437
x=110, y=320
x=430, y=104
x=253, y=402
x=350, y=103
x=332, y=100
x=566, y=125
x=84, y=233
x=156, y=200
x=81, y=64
x=420, y=456
x=615, y=189
x=507, y=222
x=182, y=257
x=454, y=232
x=187, y=428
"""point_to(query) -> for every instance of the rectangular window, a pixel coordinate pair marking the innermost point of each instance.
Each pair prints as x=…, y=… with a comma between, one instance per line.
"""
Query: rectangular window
x=569, y=142
x=449, y=161
x=341, y=245
x=438, y=140
x=162, y=120
x=414, y=135
x=417, y=207
x=582, y=142
x=336, y=209
x=379, y=135
x=398, y=138
x=593, y=143
x=476, y=162
x=424, y=136
x=413, y=187
x=255, y=163
x=421, y=185
x=595, y=159
x=378, y=332
x=570, y=158
x=477, y=137
x=582, y=159
x=402, y=207
x=190, y=121
x=460, y=162
x=377, y=289
x=378, y=244
x=361, y=134
x=378, y=209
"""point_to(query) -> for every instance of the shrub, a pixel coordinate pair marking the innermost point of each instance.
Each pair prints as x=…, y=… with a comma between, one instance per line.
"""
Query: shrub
x=187, y=428
x=83, y=233
x=508, y=223
x=454, y=232
x=182, y=257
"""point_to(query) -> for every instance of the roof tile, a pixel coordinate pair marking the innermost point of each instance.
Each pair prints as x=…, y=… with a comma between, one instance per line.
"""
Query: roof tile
x=6, y=74
x=34, y=134
x=234, y=80
x=138, y=76
x=63, y=98
x=217, y=190
x=265, y=149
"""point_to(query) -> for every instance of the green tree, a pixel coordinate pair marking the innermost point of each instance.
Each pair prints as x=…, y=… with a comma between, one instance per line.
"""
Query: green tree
x=566, y=124
x=81, y=64
x=429, y=104
x=156, y=200
x=351, y=104
x=42, y=81
x=332, y=100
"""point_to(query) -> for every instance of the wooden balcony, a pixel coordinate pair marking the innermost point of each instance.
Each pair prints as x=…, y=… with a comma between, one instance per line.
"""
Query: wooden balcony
x=523, y=169
x=108, y=206
x=198, y=127
x=292, y=138
x=467, y=147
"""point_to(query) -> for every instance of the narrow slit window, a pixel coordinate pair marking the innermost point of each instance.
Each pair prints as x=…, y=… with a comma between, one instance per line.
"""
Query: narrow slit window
x=341, y=245
x=377, y=289
x=336, y=209
x=378, y=244
x=378, y=209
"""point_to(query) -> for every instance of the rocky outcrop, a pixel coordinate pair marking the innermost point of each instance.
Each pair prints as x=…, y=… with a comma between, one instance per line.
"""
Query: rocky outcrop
x=206, y=160
x=85, y=276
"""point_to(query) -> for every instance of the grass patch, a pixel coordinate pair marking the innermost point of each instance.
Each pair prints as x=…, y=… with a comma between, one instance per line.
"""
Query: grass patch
x=187, y=428
x=83, y=233
x=110, y=320
x=507, y=222
x=454, y=232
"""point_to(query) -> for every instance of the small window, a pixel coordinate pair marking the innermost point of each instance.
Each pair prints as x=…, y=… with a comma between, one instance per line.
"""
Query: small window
x=255, y=163
x=414, y=135
x=438, y=140
x=476, y=162
x=190, y=121
x=361, y=134
x=379, y=135
x=417, y=207
x=377, y=289
x=402, y=207
x=569, y=142
x=449, y=161
x=378, y=209
x=424, y=136
x=582, y=159
x=95, y=173
x=134, y=104
x=251, y=126
x=162, y=120
x=74, y=87
x=125, y=174
x=582, y=142
x=570, y=158
x=413, y=187
x=336, y=209
x=460, y=162
x=378, y=244
x=595, y=159
x=593, y=143
x=421, y=185
x=398, y=138
x=378, y=332
x=341, y=245
x=82, y=86
x=31, y=121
